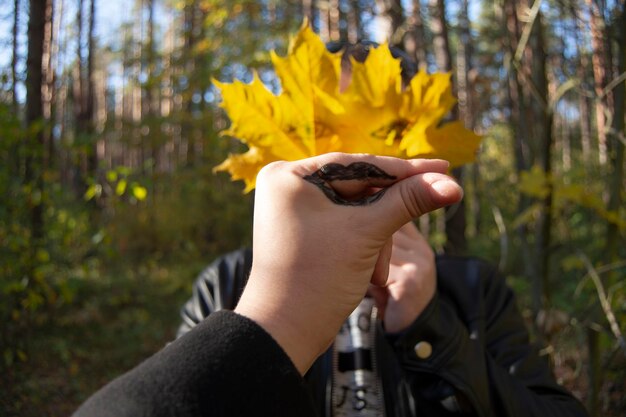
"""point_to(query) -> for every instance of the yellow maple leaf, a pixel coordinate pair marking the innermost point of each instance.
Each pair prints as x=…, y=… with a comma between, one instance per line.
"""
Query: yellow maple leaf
x=374, y=114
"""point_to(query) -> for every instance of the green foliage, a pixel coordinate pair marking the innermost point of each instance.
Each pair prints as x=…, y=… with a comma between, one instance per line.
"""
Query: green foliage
x=192, y=214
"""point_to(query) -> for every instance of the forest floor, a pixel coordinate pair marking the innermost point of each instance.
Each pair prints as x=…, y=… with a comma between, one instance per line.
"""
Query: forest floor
x=112, y=324
x=115, y=322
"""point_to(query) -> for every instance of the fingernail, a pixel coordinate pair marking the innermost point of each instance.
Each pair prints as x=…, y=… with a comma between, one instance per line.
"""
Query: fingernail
x=447, y=188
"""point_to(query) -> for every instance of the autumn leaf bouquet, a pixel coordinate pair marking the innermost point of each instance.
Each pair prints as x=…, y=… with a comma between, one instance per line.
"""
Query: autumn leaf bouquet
x=374, y=114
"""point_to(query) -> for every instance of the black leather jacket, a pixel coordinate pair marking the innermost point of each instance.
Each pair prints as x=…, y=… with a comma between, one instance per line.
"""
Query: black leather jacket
x=481, y=362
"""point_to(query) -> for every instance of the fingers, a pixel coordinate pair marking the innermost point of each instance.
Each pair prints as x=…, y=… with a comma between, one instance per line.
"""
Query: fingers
x=414, y=186
x=400, y=168
x=403, y=238
x=360, y=180
x=409, y=240
x=416, y=195
x=381, y=298
x=381, y=269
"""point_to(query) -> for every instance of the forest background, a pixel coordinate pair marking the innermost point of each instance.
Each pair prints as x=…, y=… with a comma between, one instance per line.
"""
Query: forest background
x=109, y=134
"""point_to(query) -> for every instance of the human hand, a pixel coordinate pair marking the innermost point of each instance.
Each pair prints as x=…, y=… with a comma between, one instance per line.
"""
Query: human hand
x=412, y=280
x=313, y=258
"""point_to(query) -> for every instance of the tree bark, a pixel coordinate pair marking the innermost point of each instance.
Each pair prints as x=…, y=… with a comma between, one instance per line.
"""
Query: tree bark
x=78, y=87
x=464, y=66
x=616, y=140
x=543, y=126
x=15, y=55
x=15, y=166
x=441, y=42
x=355, y=29
x=456, y=242
x=516, y=101
x=582, y=69
x=310, y=9
x=391, y=14
x=34, y=117
x=414, y=38
x=307, y=10
x=465, y=89
x=334, y=33
x=324, y=22
x=190, y=39
x=92, y=156
x=601, y=61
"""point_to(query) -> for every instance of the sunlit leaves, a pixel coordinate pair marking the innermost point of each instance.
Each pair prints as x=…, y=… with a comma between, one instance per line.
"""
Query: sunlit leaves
x=313, y=115
x=535, y=183
x=139, y=192
x=116, y=184
x=93, y=191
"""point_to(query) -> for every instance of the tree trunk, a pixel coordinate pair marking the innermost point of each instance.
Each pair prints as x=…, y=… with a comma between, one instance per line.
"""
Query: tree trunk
x=616, y=140
x=414, y=39
x=582, y=69
x=441, y=42
x=78, y=93
x=517, y=103
x=355, y=30
x=333, y=20
x=149, y=118
x=51, y=80
x=78, y=78
x=92, y=153
x=15, y=166
x=601, y=61
x=310, y=9
x=324, y=22
x=543, y=125
x=34, y=117
x=189, y=65
x=307, y=10
x=456, y=242
x=15, y=55
x=391, y=17
x=48, y=83
x=464, y=67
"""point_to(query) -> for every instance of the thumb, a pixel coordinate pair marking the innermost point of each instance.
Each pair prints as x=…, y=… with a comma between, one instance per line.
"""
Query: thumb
x=417, y=195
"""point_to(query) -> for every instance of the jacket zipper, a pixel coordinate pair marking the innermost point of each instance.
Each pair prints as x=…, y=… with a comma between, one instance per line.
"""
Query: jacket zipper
x=335, y=370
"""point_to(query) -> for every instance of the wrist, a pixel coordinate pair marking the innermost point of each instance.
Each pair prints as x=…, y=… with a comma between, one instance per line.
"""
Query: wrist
x=287, y=322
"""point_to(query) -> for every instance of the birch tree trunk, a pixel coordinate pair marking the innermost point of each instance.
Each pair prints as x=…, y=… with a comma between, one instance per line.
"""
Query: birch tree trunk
x=391, y=15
